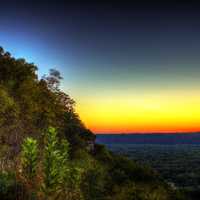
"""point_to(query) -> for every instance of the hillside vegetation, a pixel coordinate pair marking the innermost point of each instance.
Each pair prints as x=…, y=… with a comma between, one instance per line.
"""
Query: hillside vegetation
x=47, y=153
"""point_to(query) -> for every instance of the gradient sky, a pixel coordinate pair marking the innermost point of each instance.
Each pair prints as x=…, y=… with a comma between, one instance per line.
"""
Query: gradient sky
x=130, y=67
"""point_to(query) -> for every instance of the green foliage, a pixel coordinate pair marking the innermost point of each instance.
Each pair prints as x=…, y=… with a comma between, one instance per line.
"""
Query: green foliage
x=102, y=153
x=60, y=178
x=28, y=106
x=123, y=169
x=130, y=191
x=29, y=157
x=71, y=184
x=52, y=162
x=94, y=183
x=7, y=186
x=11, y=188
x=9, y=113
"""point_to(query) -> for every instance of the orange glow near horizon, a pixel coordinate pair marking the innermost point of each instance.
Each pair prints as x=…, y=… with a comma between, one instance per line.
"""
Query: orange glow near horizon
x=158, y=112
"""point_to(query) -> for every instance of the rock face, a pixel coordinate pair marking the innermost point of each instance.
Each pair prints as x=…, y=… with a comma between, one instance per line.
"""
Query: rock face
x=90, y=146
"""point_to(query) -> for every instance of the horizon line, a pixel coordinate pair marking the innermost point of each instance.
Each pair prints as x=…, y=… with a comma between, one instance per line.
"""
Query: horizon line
x=160, y=132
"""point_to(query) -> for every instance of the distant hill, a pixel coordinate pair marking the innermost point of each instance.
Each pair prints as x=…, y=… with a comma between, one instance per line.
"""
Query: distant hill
x=154, y=138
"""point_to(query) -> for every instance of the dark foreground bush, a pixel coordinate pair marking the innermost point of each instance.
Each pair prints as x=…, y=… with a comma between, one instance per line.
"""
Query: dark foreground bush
x=10, y=189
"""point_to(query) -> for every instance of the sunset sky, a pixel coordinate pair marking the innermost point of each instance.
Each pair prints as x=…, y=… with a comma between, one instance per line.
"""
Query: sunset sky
x=130, y=67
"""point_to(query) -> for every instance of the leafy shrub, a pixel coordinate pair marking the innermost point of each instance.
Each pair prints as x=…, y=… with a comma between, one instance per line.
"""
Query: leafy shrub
x=102, y=154
x=29, y=157
x=9, y=187
x=94, y=183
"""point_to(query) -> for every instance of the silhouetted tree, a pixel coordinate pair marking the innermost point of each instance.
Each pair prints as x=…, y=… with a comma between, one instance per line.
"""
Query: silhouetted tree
x=53, y=80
